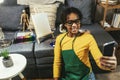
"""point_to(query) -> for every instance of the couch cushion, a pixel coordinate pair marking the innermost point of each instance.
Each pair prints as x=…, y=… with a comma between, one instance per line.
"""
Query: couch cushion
x=45, y=72
x=99, y=33
x=25, y=49
x=10, y=17
x=44, y=52
x=85, y=7
x=9, y=35
x=22, y=48
x=30, y=72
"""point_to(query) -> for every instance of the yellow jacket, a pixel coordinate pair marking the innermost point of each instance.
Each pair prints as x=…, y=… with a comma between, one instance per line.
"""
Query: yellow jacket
x=82, y=45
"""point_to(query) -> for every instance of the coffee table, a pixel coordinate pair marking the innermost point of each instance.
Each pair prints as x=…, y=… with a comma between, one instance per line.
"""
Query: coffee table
x=19, y=64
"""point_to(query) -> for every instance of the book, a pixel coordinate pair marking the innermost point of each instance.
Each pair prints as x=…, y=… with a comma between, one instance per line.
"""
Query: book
x=112, y=23
x=116, y=20
x=119, y=25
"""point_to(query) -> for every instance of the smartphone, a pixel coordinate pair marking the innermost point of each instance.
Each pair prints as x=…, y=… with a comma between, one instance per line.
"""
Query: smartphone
x=108, y=48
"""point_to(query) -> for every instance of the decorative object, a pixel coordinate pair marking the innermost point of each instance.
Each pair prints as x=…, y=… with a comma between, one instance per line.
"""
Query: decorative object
x=24, y=21
x=7, y=60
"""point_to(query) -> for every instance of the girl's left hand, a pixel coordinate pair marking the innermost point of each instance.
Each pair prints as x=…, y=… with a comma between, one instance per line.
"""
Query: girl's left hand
x=109, y=62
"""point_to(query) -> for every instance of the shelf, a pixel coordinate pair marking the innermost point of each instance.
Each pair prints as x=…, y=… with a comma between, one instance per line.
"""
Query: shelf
x=112, y=29
x=117, y=6
x=107, y=7
x=109, y=28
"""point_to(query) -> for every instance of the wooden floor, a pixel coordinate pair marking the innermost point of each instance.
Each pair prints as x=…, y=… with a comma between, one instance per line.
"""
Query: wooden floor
x=42, y=79
x=115, y=75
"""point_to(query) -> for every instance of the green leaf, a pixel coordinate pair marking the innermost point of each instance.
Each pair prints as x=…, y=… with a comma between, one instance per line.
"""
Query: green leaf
x=5, y=54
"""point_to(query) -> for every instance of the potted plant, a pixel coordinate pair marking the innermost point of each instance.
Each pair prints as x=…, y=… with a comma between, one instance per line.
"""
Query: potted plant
x=7, y=61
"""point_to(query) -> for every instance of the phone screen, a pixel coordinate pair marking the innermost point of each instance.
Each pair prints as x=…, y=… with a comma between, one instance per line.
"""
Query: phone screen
x=108, y=48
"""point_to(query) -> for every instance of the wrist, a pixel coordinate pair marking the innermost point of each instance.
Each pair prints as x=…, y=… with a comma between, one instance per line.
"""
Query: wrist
x=55, y=78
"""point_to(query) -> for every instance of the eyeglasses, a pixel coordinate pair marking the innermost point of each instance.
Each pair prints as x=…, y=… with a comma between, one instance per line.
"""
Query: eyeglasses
x=70, y=22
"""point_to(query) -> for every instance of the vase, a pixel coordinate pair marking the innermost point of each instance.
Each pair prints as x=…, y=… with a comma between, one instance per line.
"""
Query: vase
x=7, y=62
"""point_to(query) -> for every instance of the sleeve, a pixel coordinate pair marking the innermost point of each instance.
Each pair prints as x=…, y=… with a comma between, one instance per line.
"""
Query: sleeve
x=57, y=59
x=96, y=53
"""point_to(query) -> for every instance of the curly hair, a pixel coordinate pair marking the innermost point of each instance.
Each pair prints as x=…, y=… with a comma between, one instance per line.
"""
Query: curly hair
x=68, y=11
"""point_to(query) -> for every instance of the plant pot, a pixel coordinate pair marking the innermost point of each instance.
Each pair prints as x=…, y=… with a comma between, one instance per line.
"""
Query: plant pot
x=7, y=62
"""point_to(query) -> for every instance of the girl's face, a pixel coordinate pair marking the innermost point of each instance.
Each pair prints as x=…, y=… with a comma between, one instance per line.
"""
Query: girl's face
x=72, y=24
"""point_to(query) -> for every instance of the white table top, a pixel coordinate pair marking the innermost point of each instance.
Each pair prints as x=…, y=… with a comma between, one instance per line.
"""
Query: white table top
x=19, y=63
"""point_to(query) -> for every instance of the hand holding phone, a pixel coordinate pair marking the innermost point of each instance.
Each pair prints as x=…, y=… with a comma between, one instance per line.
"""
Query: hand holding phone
x=109, y=48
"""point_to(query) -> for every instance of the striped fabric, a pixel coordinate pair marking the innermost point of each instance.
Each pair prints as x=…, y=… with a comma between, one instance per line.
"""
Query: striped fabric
x=27, y=2
x=49, y=9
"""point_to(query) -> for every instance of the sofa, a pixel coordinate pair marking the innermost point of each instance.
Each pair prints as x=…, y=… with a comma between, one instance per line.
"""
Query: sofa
x=10, y=14
x=40, y=56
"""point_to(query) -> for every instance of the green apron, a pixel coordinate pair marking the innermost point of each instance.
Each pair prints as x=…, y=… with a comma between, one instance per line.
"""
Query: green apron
x=72, y=67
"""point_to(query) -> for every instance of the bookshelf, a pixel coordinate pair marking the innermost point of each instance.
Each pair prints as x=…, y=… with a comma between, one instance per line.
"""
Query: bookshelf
x=107, y=7
x=112, y=29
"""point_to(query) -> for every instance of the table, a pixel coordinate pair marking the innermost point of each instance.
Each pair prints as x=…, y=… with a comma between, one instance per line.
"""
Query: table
x=19, y=64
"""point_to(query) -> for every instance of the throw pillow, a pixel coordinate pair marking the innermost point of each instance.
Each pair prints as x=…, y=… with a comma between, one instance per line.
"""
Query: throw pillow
x=10, y=17
x=50, y=9
x=28, y=2
x=9, y=2
x=85, y=7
